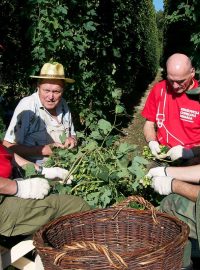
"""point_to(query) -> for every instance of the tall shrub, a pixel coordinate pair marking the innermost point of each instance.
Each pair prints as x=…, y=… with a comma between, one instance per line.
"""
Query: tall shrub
x=103, y=45
x=182, y=29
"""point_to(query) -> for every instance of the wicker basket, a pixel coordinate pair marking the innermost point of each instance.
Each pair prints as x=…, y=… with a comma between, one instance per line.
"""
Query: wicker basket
x=113, y=238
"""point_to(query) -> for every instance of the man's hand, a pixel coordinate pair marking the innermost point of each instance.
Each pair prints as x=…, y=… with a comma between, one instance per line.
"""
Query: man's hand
x=34, y=188
x=157, y=171
x=57, y=173
x=162, y=184
x=154, y=147
x=47, y=150
x=179, y=151
x=70, y=142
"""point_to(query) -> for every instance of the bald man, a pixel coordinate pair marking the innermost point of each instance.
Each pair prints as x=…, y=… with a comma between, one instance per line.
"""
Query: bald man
x=172, y=115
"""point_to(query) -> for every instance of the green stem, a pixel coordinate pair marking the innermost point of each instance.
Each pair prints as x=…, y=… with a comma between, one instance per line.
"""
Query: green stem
x=75, y=165
x=113, y=126
x=85, y=182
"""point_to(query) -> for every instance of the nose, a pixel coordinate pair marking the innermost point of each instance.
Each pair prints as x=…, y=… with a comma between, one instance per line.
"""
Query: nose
x=51, y=95
x=175, y=85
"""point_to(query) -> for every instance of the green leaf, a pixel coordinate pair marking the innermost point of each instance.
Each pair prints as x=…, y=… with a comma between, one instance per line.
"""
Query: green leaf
x=29, y=170
x=194, y=91
x=96, y=135
x=103, y=174
x=92, y=145
x=123, y=173
x=92, y=198
x=89, y=26
x=117, y=93
x=105, y=126
x=110, y=140
x=124, y=162
x=125, y=148
x=116, y=53
x=140, y=160
x=63, y=137
x=135, y=185
x=119, y=109
x=106, y=196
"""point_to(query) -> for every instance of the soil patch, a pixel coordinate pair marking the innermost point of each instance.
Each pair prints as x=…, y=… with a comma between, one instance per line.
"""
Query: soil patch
x=134, y=131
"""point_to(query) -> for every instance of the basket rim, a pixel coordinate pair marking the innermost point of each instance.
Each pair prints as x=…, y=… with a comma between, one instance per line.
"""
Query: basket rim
x=39, y=243
x=85, y=213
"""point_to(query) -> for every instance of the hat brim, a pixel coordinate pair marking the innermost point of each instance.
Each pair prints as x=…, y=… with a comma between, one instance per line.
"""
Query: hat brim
x=68, y=80
x=194, y=91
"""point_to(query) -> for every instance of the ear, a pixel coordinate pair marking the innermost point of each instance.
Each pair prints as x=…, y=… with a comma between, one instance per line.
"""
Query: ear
x=193, y=72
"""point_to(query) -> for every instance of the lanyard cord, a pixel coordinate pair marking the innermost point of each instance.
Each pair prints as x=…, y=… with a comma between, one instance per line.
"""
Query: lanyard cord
x=160, y=117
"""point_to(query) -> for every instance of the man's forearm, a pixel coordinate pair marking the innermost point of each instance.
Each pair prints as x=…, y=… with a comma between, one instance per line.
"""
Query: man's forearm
x=22, y=162
x=184, y=189
x=188, y=174
x=7, y=186
x=25, y=151
x=149, y=131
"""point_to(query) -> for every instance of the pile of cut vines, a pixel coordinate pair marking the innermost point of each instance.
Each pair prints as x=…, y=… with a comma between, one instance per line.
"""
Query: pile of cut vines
x=103, y=173
x=104, y=170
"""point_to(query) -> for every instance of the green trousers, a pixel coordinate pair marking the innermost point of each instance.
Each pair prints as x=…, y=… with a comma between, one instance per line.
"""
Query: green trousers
x=186, y=211
x=25, y=216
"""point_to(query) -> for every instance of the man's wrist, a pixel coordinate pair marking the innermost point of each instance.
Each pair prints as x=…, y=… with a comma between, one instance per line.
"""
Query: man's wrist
x=15, y=185
x=165, y=170
x=173, y=183
x=151, y=140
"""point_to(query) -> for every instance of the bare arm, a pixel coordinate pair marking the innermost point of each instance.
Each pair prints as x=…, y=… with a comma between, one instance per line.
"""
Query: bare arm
x=38, y=150
x=21, y=161
x=188, y=174
x=149, y=131
x=185, y=189
x=7, y=186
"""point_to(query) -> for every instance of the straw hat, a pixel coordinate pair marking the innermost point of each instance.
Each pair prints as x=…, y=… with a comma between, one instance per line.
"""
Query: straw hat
x=53, y=71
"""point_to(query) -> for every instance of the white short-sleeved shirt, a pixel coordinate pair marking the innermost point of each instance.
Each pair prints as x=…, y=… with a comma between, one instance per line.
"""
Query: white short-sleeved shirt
x=32, y=124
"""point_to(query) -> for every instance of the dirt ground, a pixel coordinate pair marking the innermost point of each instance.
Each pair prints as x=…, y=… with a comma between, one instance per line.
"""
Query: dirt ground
x=134, y=132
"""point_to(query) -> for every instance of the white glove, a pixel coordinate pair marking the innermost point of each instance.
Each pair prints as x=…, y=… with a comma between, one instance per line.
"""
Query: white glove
x=33, y=188
x=162, y=184
x=56, y=172
x=157, y=171
x=179, y=151
x=154, y=146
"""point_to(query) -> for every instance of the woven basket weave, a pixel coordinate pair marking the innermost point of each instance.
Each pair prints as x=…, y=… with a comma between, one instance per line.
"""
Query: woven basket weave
x=113, y=238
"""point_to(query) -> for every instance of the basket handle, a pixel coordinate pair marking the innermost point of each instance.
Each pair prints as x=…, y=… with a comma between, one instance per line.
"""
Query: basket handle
x=102, y=249
x=139, y=200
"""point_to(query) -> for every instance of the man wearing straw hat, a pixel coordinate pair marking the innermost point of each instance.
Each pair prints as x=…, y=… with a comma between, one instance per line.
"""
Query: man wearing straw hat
x=40, y=120
x=181, y=184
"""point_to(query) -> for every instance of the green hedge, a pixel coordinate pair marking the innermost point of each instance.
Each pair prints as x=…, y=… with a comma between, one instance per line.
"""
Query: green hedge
x=104, y=45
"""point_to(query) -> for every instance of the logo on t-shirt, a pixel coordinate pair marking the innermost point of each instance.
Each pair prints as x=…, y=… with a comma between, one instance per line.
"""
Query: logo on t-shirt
x=188, y=115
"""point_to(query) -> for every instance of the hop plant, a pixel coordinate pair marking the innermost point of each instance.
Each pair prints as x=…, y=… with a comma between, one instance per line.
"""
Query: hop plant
x=145, y=181
x=147, y=152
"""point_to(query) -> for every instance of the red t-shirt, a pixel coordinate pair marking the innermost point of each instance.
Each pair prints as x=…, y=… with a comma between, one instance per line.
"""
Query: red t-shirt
x=5, y=163
x=177, y=115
